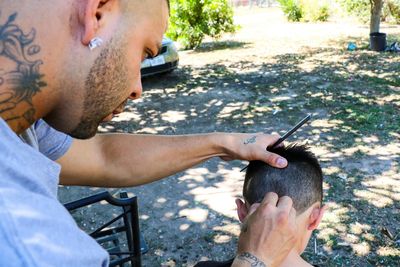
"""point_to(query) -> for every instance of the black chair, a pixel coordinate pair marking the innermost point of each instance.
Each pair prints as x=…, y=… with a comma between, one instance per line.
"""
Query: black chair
x=110, y=234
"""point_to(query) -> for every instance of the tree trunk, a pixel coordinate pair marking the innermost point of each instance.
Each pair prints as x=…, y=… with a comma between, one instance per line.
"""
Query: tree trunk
x=376, y=12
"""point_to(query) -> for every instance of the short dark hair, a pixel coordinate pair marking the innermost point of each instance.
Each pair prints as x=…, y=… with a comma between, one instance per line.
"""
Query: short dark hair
x=301, y=179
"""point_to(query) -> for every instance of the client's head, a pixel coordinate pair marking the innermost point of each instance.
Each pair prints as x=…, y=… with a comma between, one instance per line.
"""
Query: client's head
x=301, y=180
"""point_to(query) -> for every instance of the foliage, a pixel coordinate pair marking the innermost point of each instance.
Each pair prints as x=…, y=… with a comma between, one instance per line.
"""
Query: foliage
x=305, y=10
x=292, y=9
x=315, y=10
x=362, y=9
x=359, y=8
x=386, y=13
x=192, y=20
x=394, y=8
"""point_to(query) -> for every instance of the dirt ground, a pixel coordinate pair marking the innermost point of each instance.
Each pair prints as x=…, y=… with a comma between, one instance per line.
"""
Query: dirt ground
x=264, y=79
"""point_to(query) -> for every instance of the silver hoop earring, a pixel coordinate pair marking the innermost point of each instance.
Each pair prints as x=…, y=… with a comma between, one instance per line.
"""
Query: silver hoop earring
x=95, y=42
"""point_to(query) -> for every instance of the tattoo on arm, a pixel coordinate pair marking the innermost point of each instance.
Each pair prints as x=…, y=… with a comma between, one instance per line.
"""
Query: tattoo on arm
x=250, y=258
x=251, y=140
x=23, y=80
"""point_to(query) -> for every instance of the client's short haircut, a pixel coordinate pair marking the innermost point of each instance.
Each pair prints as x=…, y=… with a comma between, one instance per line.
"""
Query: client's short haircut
x=301, y=179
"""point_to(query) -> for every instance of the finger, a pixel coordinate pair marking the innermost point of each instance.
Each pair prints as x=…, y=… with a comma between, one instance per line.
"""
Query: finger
x=292, y=215
x=284, y=206
x=275, y=160
x=274, y=137
x=285, y=203
x=270, y=198
x=253, y=208
x=292, y=220
x=270, y=158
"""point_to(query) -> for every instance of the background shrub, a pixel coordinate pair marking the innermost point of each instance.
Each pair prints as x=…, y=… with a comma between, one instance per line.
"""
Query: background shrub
x=305, y=10
x=192, y=20
x=360, y=8
x=394, y=8
x=315, y=10
x=292, y=9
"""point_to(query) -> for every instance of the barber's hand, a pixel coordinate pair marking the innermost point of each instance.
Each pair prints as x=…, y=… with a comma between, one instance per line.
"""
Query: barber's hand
x=268, y=234
x=252, y=147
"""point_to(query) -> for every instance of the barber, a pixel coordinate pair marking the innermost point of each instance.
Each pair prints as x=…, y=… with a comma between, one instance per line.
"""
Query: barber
x=66, y=66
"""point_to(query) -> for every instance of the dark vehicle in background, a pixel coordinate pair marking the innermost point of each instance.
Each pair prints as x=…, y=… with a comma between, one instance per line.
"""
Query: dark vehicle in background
x=166, y=61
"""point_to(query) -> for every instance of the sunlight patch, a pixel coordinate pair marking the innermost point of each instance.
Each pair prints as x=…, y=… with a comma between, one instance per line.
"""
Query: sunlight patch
x=326, y=123
x=220, y=239
x=196, y=175
x=127, y=116
x=331, y=170
x=161, y=200
x=233, y=229
x=388, y=251
x=320, y=150
x=173, y=116
x=308, y=66
x=195, y=215
x=220, y=196
x=358, y=228
x=334, y=215
x=169, y=215
x=184, y=227
x=229, y=109
x=361, y=249
x=378, y=200
x=155, y=130
x=183, y=203
x=144, y=217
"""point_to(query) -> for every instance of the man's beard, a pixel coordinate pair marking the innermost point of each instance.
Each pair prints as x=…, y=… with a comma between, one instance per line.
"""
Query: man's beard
x=105, y=89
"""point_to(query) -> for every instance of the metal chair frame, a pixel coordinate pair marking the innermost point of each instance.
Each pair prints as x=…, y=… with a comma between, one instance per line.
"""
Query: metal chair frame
x=107, y=233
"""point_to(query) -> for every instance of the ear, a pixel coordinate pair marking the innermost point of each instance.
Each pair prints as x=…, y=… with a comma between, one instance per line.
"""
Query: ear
x=241, y=209
x=90, y=16
x=315, y=217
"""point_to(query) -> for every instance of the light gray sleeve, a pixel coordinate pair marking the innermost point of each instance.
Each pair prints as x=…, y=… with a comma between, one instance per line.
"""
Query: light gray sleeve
x=52, y=143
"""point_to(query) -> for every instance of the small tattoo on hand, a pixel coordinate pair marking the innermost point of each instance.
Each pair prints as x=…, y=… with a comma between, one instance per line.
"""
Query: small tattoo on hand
x=251, y=140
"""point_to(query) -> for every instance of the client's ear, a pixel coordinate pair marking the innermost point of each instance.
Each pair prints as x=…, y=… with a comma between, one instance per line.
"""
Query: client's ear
x=315, y=217
x=241, y=209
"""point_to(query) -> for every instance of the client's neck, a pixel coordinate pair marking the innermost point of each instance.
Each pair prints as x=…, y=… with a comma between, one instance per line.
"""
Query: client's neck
x=294, y=259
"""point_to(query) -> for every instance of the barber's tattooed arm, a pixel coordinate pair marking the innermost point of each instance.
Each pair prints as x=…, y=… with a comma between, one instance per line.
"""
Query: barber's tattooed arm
x=20, y=79
x=250, y=258
x=250, y=140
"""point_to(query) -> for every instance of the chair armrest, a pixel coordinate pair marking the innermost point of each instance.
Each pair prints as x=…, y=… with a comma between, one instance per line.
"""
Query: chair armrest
x=123, y=201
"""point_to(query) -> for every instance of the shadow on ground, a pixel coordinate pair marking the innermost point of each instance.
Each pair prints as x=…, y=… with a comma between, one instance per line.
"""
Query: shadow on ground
x=221, y=45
